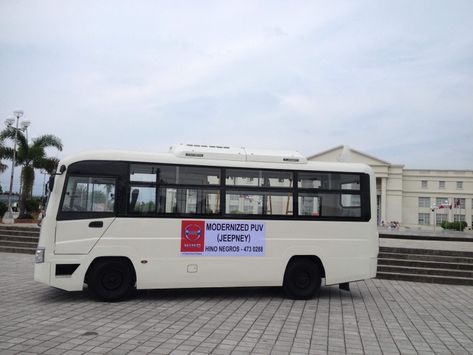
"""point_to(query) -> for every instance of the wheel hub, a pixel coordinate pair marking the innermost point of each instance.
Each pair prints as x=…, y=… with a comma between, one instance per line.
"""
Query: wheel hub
x=112, y=280
x=302, y=280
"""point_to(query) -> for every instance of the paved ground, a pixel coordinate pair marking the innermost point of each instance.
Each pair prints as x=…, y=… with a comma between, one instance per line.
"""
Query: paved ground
x=438, y=232
x=426, y=244
x=377, y=316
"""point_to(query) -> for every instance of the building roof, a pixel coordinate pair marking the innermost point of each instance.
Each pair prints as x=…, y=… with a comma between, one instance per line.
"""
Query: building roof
x=344, y=149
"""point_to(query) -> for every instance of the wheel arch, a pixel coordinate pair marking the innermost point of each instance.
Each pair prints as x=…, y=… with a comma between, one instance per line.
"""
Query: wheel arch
x=122, y=259
x=314, y=258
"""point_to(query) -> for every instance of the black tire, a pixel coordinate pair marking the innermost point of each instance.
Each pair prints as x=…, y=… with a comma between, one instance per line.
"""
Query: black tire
x=302, y=279
x=111, y=280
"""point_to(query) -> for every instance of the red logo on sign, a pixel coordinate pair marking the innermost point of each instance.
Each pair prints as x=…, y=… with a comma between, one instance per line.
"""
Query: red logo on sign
x=192, y=236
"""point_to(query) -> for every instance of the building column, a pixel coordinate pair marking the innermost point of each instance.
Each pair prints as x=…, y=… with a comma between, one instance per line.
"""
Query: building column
x=383, y=200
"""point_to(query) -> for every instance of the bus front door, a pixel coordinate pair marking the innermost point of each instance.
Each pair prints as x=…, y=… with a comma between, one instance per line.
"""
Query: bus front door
x=88, y=210
x=79, y=236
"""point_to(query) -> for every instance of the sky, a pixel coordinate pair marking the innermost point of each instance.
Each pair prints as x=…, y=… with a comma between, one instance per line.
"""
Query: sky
x=393, y=79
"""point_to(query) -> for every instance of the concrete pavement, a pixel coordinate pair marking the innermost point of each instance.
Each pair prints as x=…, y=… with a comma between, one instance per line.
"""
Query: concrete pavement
x=376, y=317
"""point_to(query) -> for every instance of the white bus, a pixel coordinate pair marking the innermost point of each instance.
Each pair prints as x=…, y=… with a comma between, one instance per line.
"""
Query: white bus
x=205, y=216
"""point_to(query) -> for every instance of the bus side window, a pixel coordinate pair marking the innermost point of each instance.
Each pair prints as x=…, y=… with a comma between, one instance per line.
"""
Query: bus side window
x=309, y=205
x=188, y=201
x=142, y=199
x=89, y=194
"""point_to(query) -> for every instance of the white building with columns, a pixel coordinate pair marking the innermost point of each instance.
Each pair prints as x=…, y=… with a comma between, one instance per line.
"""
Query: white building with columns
x=416, y=198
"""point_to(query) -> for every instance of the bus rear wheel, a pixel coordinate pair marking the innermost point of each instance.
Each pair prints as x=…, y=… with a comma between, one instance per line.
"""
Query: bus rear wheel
x=111, y=280
x=302, y=279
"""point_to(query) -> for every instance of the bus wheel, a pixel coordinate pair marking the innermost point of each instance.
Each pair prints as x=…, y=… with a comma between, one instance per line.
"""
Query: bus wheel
x=111, y=280
x=302, y=279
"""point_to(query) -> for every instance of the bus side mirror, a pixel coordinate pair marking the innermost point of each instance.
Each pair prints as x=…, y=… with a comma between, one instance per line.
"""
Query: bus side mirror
x=62, y=169
x=51, y=183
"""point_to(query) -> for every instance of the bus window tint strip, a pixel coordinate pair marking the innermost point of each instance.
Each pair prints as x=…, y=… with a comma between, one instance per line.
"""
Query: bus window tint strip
x=191, y=175
x=328, y=181
x=258, y=178
x=174, y=175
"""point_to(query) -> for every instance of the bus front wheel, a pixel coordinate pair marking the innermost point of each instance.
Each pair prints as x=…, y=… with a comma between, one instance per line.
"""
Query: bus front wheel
x=302, y=279
x=111, y=280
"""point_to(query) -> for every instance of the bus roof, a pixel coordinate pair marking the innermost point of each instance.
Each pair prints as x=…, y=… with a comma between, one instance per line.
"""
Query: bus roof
x=171, y=158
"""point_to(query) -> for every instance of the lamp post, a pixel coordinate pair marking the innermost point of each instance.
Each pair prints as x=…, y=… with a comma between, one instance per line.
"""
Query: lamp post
x=8, y=217
x=434, y=210
x=24, y=127
x=43, y=193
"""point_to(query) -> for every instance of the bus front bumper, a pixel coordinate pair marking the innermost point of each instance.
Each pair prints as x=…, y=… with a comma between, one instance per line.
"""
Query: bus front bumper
x=42, y=273
x=45, y=272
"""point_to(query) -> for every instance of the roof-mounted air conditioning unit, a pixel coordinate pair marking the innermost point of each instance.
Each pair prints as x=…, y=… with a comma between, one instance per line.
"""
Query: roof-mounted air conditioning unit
x=214, y=152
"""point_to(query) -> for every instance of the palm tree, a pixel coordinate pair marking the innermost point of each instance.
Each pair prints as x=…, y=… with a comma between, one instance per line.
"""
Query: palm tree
x=3, y=155
x=30, y=156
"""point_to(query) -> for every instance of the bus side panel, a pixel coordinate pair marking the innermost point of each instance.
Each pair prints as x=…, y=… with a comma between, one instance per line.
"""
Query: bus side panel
x=346, y=250
x=154, y=247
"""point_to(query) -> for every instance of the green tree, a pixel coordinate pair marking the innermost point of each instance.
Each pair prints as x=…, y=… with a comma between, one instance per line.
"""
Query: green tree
x=3, y=155
x=29, y=157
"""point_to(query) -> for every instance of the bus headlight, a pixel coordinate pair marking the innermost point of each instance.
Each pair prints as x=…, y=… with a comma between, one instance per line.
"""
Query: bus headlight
x=39, y=256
